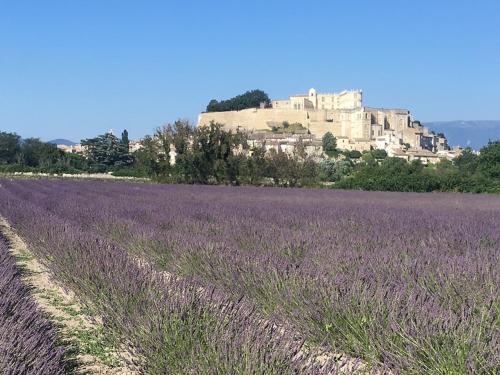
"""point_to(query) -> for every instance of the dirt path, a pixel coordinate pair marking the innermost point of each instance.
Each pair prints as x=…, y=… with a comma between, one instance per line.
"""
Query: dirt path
x=85, y=333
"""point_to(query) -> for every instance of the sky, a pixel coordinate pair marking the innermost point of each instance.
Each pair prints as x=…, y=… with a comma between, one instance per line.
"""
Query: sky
x=75, y=69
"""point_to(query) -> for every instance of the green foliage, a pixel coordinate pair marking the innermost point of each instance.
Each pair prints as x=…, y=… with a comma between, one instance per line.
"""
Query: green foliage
x=329, y=143
x=75, y=161
x=468, y=173
x=393, y=174
x=280, y=169
x=125, y=140
x=105, y=151
x=35, y=153
x=176, y=135
x=290, y=170
x=148, y=160
x=253, y=167
x=309, y=173
x=9, y=147
x=205, y=154
x=489, y=160
x=130, y=172
x=379, y=154
x=467, y=162
x=353, y=154
x=250, y=99
x=211, y=155
x=333, y=171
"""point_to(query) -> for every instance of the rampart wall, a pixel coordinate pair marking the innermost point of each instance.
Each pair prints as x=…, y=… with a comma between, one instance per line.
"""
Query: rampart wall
x=254, y=119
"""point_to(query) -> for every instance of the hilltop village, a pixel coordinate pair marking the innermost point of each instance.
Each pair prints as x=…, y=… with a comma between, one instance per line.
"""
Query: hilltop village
x=308, y=117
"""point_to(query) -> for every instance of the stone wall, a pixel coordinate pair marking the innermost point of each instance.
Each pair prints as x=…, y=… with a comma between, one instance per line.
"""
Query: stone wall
x=344, y=123
x=254, y=119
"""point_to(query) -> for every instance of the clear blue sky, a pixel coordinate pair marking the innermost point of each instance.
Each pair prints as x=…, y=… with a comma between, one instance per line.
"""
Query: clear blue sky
x=77, y=68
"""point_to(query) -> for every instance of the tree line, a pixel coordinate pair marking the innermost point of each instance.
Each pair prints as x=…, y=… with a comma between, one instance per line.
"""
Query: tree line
x=182, y=153
x=250, y=99
x=33, y=155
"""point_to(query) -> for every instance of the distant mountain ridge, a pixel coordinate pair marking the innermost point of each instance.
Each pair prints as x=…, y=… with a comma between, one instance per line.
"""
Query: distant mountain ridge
x=60, y=141
x=473, y=133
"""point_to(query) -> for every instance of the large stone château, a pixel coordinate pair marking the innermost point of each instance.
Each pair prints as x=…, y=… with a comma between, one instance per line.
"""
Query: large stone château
x=355, y=126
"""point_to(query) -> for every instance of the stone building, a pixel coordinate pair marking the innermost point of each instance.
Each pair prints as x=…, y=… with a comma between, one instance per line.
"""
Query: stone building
x=313, y=100
x=355, y=126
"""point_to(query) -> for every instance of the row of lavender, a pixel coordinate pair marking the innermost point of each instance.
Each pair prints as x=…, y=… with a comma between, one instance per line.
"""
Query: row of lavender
x=408, y=280
x=170, y=325
x=28, y=342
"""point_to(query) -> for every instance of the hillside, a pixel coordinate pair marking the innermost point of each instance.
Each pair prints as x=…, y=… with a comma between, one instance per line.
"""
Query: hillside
x=473, y=133
x=60, y=141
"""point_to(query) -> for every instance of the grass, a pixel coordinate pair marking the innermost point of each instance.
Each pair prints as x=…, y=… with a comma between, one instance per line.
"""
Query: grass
x=82, y=338
x=97, y=342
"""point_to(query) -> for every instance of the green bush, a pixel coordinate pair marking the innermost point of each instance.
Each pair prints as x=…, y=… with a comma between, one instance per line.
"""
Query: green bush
x=130, y=172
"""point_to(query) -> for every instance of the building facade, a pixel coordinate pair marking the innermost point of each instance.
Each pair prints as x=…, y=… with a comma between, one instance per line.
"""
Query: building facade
x=355, y=126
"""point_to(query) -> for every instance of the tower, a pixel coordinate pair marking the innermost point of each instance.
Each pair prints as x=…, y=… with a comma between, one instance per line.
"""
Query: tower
x=313, y=98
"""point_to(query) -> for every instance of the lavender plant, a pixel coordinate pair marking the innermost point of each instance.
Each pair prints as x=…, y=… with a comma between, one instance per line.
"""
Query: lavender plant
x=28, y=342
x=405, y=281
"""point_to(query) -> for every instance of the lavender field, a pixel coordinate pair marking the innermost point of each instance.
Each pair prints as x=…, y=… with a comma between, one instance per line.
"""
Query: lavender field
x=201, y=279
x=28, y=342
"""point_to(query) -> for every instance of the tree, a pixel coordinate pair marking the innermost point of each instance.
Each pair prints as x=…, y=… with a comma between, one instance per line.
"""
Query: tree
x=233, y=166
x=394, y=165
x=379, y=154
x=125, y=140
x=177, y=134
x=254, y=166
x=334, y=170
x=290, y=170
x=278, y=167
x=368, y=157
x=329, y=144
x=35, y=153
x=250, y=99
x=213, y=106
x=150, y=159
x=206, y=154
x=106, y=151
x=467, y=162
x=489, y=159
x=9, y=147
x=354, y=154
x=75, y=161
x=309, y=172
x=299, y=151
